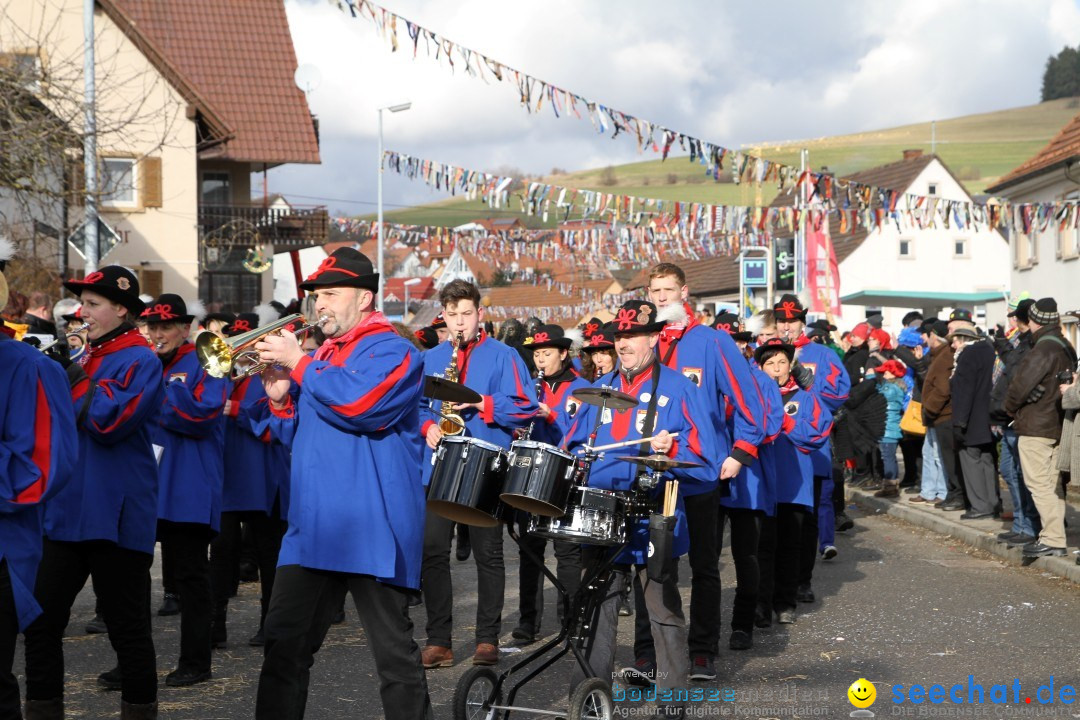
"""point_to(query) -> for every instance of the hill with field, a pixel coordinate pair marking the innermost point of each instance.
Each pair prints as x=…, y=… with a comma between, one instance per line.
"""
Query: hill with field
x=977, y=148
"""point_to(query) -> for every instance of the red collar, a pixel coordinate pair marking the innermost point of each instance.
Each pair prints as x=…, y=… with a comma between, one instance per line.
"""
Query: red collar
x=802, y=340
x=132, y=338
x=672, y=332
x=184, y=349
x=633, y=387
x=373, y=324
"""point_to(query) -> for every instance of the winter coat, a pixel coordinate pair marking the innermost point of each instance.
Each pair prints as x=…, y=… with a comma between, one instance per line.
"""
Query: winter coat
x=918, y=367
x=1069, y=450
x=894, y=409
x=1040, y=415
x=936, y=394
x=805, y=428
x=970, y=388
x=855, y=360
x=1011, y=352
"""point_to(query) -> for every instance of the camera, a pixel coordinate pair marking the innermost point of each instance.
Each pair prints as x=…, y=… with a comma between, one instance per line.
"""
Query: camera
x=1065, y=377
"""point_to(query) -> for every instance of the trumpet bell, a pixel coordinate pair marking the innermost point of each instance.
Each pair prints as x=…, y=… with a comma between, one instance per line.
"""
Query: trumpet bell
x=214, y=354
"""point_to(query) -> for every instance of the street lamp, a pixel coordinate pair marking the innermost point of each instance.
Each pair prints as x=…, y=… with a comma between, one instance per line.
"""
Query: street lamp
x=405, y=311
x=382, y=281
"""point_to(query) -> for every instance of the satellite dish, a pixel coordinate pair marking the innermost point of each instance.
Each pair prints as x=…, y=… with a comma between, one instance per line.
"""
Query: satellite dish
x=307, y=77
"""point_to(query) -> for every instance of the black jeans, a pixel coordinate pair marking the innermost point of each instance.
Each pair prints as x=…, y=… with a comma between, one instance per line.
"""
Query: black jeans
x=10, y=707
x=438, y=586
x=745, y=536
x=950, y=461
x=810, y=541
x=531, y=576
x=779, y=554
x=911, y=449
x=189, y=546
x=838, y=498
x=303, y=604
x=266, y=534
x=703, y=637
x=121, y=580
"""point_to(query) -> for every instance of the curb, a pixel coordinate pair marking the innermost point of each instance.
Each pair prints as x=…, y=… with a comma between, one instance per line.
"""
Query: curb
x=940, y=522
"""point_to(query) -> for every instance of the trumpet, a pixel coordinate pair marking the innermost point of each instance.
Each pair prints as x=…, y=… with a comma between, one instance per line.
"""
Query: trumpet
x=50, y=348
x=236, y=357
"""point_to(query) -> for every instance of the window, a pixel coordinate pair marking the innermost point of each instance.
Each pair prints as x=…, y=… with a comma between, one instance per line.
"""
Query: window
x=25, y=67
x=215, y=188
x=960, y=247
x=1068, y=239
x=931, y=189
x=906, y=250
x=116, y=182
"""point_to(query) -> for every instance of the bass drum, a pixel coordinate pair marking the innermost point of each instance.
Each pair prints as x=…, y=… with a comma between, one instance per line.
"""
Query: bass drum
x=466, y=481
x=593, y=517
x=539, y=478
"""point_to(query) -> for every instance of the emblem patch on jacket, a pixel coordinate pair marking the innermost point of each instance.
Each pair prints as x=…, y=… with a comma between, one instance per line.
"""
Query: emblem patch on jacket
x=693, y=374
x=178, y=377
x=791, y=408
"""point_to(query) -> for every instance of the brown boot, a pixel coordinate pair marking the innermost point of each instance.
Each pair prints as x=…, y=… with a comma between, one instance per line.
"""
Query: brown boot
x=44, y=709
x=434, y=656
x=486, y=654
x=131, y=711
x=888, y=490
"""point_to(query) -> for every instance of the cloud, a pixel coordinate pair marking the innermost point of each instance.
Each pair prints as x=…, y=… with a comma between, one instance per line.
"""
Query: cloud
x=730, y=72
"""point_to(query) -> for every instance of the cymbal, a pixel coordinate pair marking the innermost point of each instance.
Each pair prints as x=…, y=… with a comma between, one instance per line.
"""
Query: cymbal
x=658, y=462
x=442, y=389
x=606, y=397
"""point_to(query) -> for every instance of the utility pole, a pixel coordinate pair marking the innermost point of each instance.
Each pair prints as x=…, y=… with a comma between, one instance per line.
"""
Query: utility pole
x=90, y=229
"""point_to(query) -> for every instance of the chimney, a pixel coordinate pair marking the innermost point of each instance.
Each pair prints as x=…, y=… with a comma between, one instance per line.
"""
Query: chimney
x=912, y=154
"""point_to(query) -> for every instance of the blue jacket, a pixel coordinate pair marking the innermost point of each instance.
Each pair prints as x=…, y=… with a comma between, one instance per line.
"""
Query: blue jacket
x=805, y=428
x=894, y=409
x=679, y=404
x=498, y=373
x=191, y=431
x=564, y=407
x=38, y=449
x=113, y=493
x=831, y=386
x=754, y=488
x=357, y=503
x=713, y=362
x=256, y=466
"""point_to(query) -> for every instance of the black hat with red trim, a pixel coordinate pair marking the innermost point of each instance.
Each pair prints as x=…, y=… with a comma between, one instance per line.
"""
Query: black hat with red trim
x=167, y=308
x=729, y=322
x=75, y=316
x=549, y=336
x=346, y=267
x=770, y=346
x=602, y=339
x=592, y=326
x=635, y=317
x=113, y=283
x=789, y=308
x=244, y=322
x=427, y=337
x=438, y=322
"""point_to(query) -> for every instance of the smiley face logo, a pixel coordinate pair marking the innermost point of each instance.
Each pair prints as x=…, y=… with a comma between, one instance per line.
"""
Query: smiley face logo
x=862, y=693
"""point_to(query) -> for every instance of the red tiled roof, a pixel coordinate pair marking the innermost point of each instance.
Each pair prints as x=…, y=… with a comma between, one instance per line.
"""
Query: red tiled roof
x=234, y=61
x=395, y=288
x=1061, y=148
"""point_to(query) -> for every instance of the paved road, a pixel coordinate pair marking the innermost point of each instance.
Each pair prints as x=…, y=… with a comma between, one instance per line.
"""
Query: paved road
x=899, y=605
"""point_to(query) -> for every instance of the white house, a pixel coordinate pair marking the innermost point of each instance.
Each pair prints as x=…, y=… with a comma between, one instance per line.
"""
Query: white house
x=1045, y=262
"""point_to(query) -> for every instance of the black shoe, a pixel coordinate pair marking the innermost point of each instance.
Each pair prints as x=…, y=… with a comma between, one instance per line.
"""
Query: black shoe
x=1020, y=540
x=829, y=552
x=464, y=547
x=785, y=617
x=843, y=522
x=624, y=605
x=219, y=634
x=912, y=490
x=1008, y=536
x=523, y=635
x=258, y=639
x=969, y=515
x=642, y=673
x=249, y=572
x=416, y=599
x=170, y=605
x=1038, y=549
x=339, y=618
x=111, y=679
x=762, y=618
x=96, y=626
x=702, y=668
x=184, y=678
x=949, y=506
x=740, y=640
x=805, y=594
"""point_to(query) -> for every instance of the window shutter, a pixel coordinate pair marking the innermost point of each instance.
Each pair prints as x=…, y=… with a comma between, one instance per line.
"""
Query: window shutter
x=151, y=182
x=150, y=282
x=76, y=182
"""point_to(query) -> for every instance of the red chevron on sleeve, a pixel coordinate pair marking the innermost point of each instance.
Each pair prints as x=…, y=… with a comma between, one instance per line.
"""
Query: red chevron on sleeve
x=693, y=442
x=42, y=454
x=367, y=401
x=737, y=391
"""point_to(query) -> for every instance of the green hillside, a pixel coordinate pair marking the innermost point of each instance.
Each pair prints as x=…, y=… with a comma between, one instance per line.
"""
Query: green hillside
x=977, y=148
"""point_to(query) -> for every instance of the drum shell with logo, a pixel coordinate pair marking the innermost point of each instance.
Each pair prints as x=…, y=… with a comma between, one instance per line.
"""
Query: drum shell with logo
x=466, y=480
x=539, y=478
x=593, y=516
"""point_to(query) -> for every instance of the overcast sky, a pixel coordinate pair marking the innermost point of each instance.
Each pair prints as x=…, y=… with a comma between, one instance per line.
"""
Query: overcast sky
x=726, y=71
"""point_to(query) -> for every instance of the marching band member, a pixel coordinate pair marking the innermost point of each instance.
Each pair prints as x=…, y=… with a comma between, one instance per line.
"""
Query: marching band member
x=712, y=362
x=103, y=523
x=550, y=346
x=356, y=508
x=38, y=450
x=668, y=403
x=805, y=428
x=598, y=354
x=508, y=401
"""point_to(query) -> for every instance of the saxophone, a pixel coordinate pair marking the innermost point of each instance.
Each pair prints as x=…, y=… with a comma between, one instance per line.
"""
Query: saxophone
x=450, y=422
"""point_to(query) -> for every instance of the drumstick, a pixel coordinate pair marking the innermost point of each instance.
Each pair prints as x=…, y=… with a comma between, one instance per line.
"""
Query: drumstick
x=626, y=443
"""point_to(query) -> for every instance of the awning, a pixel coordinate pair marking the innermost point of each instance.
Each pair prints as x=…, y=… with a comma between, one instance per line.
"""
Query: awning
x=920, y=298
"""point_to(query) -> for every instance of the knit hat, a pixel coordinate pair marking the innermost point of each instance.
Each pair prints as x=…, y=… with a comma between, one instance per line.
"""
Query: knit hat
x=875, y=321
x=1045, y=312
x=861, y=331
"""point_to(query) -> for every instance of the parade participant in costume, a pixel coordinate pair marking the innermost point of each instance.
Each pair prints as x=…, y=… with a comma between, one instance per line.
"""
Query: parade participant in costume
x=350, y=416
x=831, y=384
x=38, y=450
x=217, y=322
x=730, y=323
x=558, y=406
x=255, y=491
x=103, y=523
x=713, y=363
x=668, y=404
x=751, y=497
x=598, y=354
x=805, y=428
x=508, y=401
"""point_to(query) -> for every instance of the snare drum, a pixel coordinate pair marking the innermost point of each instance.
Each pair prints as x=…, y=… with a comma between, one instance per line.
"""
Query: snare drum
x=539, y=478
x=466, y=481
x=593, y=516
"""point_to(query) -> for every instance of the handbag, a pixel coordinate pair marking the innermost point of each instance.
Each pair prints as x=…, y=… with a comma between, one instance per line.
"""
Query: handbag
x=912, y=422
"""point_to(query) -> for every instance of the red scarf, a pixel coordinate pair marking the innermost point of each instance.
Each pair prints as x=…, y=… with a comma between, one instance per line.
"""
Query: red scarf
x=337, y=349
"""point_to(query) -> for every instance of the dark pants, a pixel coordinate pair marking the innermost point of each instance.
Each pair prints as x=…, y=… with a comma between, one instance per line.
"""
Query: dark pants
x=703, y=637
x=10, y=708
x=189, y=545
x=950, y=462
x=745, y=535
x=979, y=463
x=838, y=499
x=303, y=604
x=779, y=556
x=531, y=577
x=168, y=572
x=911, y=450
x=438, y=587
x=225, y=550
x=121, y=580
